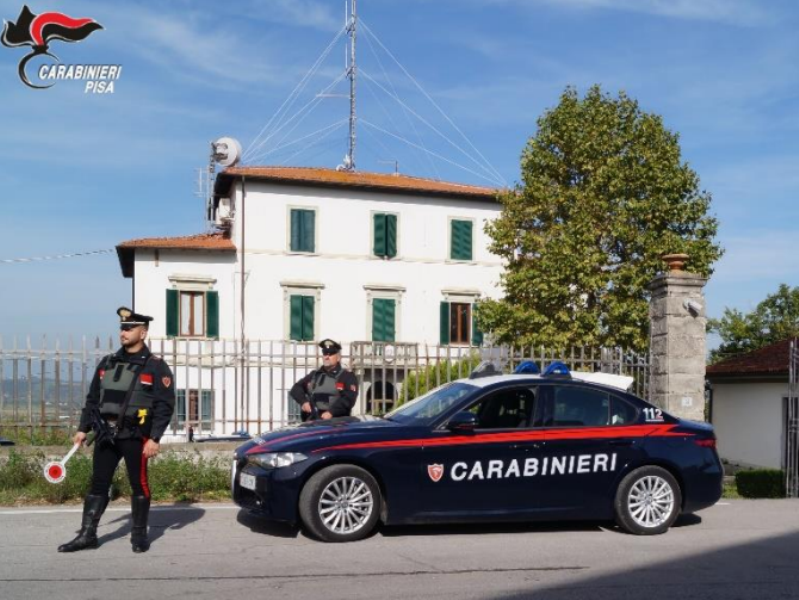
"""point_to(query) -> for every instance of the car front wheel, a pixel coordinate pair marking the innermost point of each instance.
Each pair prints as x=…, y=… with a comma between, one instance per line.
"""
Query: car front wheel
x=340, y=504
x=647, y=501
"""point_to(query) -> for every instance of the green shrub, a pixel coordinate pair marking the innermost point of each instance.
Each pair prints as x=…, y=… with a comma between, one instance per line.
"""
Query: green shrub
x=38, y=436
x=420, y=382
x=17, y=472
x=761, y=483
x=172, y=477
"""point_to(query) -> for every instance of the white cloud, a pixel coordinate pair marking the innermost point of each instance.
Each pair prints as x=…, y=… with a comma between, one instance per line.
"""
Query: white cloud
x=739, y=12
x=765, y=254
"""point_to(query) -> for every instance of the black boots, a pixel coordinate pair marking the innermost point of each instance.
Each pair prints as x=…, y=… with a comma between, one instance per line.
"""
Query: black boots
x=93, y=508
x=140, y=509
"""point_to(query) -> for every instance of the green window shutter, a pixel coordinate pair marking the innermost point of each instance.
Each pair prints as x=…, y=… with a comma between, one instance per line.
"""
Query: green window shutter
x=384, y=320
x=380, y=235
x=296, y=224
x=307, y=318
x=461, y=236
x=391, y=236
x=172, y=310
x=309, y=230
x=301, y=326
x=295, y=325
x=302, y=230
x=212, y=315
x=444, y=329
x=385, y=235
x=477, y=335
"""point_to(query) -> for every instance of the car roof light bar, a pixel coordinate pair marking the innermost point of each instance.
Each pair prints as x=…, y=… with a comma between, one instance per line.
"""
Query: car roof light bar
x=484, y=369
x=528, y=367
x=557, y=368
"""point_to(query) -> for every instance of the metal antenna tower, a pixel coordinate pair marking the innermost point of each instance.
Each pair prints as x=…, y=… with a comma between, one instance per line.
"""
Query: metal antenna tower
x=349, y=160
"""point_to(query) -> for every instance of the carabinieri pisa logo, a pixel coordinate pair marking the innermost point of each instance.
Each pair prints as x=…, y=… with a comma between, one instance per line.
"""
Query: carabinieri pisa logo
x=38, y=31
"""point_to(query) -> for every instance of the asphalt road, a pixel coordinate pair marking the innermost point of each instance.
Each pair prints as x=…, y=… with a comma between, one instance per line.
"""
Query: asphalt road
x=736, y=549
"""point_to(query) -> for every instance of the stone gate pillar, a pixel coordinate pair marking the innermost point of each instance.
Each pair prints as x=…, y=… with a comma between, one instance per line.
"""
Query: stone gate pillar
x=678, y=340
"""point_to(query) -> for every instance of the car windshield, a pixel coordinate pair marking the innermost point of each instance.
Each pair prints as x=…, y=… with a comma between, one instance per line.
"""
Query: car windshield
x=434, y=403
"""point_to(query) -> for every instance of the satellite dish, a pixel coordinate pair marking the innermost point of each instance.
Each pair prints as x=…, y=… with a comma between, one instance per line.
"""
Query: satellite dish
x=227, y=151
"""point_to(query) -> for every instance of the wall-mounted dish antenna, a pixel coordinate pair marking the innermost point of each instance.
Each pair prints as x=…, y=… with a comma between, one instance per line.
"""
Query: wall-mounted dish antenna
x=227, y=151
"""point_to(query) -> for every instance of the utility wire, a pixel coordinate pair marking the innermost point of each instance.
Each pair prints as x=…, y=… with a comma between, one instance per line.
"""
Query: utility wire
x=292, y=97
x=8, y=261
x=497, y=179
x=433, y=102
x=439, y=156
x=410, y=122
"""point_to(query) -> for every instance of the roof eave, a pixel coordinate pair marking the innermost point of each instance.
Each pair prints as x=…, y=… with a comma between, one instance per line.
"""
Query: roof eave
x=224, y=181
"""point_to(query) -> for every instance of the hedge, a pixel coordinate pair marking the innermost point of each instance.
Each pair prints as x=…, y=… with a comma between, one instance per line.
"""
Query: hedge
x=761, y=483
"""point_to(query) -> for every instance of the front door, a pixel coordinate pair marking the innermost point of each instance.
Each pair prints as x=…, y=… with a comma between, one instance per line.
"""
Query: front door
x=479, y=474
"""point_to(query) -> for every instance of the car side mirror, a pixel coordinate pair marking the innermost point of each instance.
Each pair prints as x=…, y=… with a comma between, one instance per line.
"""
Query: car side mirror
x=463, y=422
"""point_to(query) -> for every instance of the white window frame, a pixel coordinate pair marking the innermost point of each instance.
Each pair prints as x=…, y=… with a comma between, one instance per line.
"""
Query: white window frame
x=462, y=296
x=194, y=283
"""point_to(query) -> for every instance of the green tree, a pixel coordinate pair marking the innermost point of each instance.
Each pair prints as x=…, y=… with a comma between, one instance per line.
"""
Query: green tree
x=776, y=318
x=604, y=195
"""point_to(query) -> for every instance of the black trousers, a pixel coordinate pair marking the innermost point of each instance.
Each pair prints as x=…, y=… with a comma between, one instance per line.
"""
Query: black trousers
x=106, y=459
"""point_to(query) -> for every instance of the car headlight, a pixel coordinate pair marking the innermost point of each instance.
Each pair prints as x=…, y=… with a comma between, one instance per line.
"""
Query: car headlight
x=276, y=460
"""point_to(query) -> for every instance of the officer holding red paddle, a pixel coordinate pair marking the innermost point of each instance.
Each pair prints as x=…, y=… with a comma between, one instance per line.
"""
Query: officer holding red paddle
x=129, y=405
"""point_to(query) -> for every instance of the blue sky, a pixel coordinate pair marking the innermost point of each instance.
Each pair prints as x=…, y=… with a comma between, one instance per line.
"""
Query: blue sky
x=82, y=172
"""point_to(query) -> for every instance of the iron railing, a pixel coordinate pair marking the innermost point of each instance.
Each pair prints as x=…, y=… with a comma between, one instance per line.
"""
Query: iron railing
x=225, y=386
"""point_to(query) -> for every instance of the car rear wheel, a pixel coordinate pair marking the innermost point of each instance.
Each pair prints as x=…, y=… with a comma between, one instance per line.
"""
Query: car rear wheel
x=340, y=504
x=648, y=501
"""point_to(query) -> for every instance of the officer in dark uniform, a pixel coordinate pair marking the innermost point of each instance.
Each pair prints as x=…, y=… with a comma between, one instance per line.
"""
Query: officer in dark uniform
x=129, y=405
x=327, y=392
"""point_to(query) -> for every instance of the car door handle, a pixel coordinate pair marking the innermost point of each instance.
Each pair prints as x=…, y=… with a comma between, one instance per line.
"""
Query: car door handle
x=533, y=446
x=621, y=442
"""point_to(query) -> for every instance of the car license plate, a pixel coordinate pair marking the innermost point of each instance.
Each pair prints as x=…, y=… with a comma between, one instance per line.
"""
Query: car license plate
x=247, y=481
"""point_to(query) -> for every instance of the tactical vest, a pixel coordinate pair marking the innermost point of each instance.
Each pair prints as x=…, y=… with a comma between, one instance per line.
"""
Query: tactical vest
x=114, y=385
x=323, y=389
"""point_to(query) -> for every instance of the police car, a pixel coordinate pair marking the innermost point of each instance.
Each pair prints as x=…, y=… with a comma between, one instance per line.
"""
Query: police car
x=525, y=446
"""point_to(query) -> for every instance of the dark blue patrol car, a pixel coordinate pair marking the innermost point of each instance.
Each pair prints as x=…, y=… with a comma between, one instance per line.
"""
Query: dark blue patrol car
x=499, y=447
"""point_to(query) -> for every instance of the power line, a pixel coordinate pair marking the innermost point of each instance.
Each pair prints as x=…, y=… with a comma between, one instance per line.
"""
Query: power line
x=54, y=257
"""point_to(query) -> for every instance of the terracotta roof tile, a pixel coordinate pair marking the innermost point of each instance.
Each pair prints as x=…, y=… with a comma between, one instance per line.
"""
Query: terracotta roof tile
x=768, y=360
x=381, y=181
x=205, y=241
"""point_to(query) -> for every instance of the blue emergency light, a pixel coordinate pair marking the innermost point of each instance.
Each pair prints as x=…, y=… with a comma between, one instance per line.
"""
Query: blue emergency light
x=528, y=367
x=557, y=368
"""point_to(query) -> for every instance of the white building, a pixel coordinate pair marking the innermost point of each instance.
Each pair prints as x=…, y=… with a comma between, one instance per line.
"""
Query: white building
x=749, y=407
x=305, y=254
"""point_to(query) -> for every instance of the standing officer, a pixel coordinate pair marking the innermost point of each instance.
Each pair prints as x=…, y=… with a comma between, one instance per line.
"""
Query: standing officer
x=129, y=405
x=327, y=392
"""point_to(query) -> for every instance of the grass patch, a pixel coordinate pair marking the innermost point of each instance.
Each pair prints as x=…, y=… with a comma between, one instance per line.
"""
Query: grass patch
x=730, y=491
x=38, y=436
x=172, y=477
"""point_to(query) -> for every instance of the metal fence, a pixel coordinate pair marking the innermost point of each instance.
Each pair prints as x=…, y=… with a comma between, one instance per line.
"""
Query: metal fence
x=792, y=423
x=226, y=386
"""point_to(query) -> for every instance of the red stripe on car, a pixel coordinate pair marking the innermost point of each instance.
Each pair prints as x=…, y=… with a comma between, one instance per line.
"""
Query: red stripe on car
x=631, y=431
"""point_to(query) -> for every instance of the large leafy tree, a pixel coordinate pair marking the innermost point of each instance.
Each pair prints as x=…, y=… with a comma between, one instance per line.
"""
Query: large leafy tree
x=776, y=318
x=604, y=194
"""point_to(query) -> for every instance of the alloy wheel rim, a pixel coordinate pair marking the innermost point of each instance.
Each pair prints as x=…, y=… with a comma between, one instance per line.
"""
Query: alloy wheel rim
x=346, y=505
x=651, y=501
